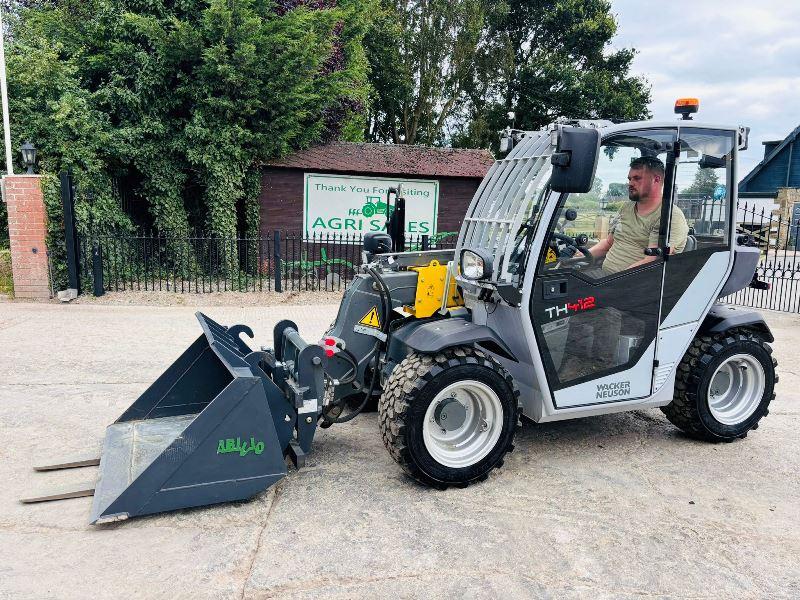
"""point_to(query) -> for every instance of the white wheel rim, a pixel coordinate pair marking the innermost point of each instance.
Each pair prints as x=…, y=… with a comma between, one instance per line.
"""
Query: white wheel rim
x=736, y=389
x=476, y=437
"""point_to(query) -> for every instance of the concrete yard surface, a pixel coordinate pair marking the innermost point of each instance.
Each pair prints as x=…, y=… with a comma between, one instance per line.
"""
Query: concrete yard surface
x=619, y=506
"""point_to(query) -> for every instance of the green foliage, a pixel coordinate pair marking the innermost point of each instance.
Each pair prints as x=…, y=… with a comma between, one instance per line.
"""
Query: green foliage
x=182, y=98
x=252, y=217
x=423, y=56
x=705, y=181
x=450, y=71
x=617, y=190
x=4, y=241
x=56, y=245
x=6, y=279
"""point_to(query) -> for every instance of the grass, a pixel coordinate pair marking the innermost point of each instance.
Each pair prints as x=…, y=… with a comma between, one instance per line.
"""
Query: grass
x=6, y=281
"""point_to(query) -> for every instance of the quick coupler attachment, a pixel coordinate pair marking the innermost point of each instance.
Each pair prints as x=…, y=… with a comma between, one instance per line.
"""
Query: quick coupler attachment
x=295, y=367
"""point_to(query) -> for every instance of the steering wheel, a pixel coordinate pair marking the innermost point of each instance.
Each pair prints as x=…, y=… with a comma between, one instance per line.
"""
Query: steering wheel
x=578, y=244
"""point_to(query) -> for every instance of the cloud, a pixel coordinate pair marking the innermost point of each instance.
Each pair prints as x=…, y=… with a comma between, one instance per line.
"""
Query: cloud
x=741, y=60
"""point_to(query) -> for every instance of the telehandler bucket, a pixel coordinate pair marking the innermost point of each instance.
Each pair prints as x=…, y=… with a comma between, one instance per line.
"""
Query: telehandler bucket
x=216, y=426
x=202, y=433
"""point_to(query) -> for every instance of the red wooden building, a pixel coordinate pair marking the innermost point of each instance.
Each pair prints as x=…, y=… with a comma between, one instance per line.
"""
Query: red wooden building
x=290, y=201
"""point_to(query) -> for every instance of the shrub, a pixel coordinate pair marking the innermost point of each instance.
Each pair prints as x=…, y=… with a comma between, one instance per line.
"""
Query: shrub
x=6, y=280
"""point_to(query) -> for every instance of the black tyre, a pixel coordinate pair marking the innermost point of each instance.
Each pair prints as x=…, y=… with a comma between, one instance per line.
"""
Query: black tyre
x=461, y=384
x=723, y=386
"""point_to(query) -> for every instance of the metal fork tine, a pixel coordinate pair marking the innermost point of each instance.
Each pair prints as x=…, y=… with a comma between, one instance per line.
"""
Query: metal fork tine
x=73, y=463
x=73, y=491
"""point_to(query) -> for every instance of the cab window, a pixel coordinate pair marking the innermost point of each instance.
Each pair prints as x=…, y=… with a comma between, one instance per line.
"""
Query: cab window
x=703, y=185
x=584, y=220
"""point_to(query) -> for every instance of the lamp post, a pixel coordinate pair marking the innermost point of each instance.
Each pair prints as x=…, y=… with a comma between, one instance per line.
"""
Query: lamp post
x=28, y=156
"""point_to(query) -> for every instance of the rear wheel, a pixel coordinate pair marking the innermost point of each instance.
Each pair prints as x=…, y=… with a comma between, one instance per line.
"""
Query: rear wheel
x=724, y=386
x=449, y=418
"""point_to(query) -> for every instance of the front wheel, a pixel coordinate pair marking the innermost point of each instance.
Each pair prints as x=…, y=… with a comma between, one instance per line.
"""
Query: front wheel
x=723, y=386
x=449, y=418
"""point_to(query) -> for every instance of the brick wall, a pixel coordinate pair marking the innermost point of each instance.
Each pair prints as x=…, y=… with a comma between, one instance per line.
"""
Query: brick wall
x=282, y=199
x=27, y=231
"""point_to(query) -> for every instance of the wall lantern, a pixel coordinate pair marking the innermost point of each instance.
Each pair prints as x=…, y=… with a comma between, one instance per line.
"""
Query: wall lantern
x=29, y=156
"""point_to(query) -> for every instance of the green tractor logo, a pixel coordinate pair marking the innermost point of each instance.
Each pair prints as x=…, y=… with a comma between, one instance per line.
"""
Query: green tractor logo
x=375, y=206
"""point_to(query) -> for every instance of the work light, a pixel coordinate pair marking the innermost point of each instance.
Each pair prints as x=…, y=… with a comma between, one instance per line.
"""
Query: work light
x=475, y=265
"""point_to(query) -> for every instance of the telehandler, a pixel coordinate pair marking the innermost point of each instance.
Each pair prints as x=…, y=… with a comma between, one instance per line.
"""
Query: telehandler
x=520, y=322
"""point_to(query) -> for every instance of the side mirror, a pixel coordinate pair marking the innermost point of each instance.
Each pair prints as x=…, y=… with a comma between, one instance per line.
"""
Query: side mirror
x=575, y=159
x=377, y=242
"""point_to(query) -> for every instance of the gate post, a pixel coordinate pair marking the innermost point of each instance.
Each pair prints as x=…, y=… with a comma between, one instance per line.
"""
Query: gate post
x=70, y=233
x=277, y=247
x=98, y=286
x=27, y=232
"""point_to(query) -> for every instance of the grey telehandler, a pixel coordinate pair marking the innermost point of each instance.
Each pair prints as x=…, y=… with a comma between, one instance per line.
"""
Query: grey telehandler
x=458, y=347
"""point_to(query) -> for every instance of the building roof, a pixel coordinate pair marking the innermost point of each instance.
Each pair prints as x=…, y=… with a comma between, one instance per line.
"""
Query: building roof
x=780, y=168
x=424, y=161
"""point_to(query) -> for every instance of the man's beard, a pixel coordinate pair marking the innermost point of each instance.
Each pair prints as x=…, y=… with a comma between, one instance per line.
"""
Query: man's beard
x=634, y=196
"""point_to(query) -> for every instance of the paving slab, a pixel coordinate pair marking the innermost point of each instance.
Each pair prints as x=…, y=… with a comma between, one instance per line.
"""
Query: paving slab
x=618, y=506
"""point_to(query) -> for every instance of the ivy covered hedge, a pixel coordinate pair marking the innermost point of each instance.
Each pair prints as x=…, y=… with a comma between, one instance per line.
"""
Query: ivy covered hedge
x=181, y=100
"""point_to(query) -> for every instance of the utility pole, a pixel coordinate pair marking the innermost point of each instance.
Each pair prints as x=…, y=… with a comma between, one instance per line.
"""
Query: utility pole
x=4, y=91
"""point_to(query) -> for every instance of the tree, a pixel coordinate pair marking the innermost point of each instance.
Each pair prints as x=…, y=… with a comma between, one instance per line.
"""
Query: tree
x=184, y=99
x=704, y=184
x=617, y=190
x=553, y=60
x=423, y=56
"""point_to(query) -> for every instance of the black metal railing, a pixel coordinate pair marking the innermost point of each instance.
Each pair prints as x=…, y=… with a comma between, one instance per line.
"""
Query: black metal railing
x=281, y=261
x=196, y=263
x=779, y=265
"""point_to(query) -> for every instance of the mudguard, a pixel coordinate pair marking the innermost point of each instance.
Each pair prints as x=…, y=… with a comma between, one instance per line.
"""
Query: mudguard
x=429, y=337
x=722, y=317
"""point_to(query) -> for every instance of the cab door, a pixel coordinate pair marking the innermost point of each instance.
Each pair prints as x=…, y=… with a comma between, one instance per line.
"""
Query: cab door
x=597, y=329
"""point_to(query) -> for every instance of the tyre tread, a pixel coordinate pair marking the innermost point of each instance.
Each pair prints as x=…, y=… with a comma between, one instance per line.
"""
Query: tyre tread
x=683, y=410
x=403, y=388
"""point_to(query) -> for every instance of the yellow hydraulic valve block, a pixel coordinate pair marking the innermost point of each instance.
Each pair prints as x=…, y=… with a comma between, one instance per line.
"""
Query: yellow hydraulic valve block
x=430, y=287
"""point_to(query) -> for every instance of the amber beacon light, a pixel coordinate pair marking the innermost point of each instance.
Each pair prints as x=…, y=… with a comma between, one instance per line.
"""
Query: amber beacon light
x=686, y=107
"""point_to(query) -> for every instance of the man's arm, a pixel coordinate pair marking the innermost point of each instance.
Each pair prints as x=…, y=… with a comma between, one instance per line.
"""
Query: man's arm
x=646, y=259
x=601, y=248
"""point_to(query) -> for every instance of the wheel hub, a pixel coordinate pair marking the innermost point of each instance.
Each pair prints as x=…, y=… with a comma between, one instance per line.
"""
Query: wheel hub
x=450, y=414
x=463, y=423
x=736, y=389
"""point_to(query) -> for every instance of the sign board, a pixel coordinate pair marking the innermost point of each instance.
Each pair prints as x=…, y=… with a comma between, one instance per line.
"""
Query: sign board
x=356, y=205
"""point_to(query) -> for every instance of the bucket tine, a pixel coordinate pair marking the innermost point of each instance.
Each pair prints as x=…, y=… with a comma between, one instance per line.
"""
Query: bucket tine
x=72, y=491
x=70, y=463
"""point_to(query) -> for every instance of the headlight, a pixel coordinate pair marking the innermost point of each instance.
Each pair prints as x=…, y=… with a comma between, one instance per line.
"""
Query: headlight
x=475, y=265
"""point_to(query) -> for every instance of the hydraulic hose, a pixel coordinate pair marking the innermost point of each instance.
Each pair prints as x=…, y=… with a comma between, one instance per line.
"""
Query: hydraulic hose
x=386, y=301
x=330, y=421
x=353, y=372
x=367, y=396
x=386, y=298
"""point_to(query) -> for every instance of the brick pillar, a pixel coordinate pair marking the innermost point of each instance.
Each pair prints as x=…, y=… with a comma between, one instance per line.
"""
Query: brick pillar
x=27, y=231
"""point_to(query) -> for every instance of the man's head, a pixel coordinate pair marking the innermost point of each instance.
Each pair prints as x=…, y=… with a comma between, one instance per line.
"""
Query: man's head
x=646, y=178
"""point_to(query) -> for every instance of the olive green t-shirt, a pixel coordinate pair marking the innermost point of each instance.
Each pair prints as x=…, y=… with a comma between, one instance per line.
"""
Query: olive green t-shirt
x=633, y=233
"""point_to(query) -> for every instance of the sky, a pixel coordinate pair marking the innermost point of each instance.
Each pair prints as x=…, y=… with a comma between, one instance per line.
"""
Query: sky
x=740, y=58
